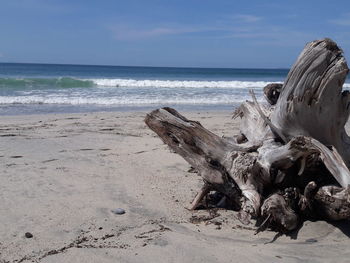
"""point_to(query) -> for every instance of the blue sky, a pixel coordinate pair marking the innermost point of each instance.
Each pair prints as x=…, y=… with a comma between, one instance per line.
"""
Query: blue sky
x=191, y=33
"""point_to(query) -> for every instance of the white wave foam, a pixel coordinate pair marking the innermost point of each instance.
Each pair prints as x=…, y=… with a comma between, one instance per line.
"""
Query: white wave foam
x=178, y=83
x=228, y=99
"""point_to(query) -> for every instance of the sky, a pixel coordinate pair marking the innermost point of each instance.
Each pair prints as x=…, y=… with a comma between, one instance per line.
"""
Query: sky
x=177, y=33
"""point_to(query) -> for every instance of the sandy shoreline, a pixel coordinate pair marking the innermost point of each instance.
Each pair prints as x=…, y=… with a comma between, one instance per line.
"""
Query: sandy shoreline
x=62, y=174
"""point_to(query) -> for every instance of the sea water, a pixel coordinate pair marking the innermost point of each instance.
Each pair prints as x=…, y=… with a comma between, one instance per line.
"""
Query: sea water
x=43, y=88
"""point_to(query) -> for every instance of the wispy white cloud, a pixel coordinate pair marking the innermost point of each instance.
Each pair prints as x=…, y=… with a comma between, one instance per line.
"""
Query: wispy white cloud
x=344, y=20
x=246, y=18
x=233, y=23
x=256, y=34
x=121, y=32
x=128, y=33
x=252, y=28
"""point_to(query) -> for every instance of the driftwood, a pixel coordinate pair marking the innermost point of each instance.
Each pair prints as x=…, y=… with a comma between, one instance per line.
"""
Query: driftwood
x=290, y=160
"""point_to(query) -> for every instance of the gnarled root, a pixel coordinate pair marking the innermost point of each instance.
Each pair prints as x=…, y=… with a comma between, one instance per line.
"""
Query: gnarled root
x=279, y=212
x=332, y=202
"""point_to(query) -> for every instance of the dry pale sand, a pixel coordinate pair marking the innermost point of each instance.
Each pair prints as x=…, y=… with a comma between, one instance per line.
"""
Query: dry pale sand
x=61, y=175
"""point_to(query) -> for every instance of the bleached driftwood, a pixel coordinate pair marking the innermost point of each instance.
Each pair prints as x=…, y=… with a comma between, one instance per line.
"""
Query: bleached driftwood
x=290, y=160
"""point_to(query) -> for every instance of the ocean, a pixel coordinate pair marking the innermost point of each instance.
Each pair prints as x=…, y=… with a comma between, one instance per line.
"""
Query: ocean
x=50, y=88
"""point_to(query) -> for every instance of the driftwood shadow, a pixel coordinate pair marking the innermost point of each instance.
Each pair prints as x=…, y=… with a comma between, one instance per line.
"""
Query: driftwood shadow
x=343, y=226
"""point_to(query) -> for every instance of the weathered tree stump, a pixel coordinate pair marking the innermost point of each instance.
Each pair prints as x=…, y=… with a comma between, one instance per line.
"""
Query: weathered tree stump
x=290, y=160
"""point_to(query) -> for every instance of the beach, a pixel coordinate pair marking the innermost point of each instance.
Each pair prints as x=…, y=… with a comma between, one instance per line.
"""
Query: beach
x=174, y=131
x=63, y=174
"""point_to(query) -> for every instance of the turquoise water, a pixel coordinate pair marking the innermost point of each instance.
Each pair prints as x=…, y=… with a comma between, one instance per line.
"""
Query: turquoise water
x=42, y=88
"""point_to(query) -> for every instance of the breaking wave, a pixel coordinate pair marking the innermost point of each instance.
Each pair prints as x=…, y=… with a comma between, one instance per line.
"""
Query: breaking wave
x=179, y=83
x=68, y=82
x=120, y=101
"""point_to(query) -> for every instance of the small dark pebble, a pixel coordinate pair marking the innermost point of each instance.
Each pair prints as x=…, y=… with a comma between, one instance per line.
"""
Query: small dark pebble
x=118, y=211
x=311, y=240
x=100, y=228
x=28, y=235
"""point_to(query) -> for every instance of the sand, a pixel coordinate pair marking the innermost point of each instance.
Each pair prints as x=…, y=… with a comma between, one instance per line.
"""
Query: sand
x=62, y=174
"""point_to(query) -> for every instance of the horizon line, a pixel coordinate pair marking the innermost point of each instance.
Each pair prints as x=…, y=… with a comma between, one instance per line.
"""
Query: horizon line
x=139, y=66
